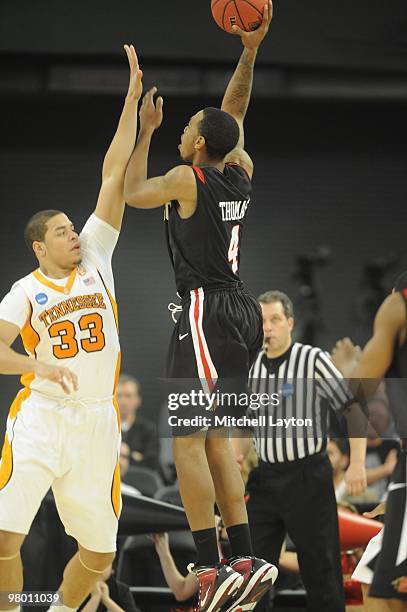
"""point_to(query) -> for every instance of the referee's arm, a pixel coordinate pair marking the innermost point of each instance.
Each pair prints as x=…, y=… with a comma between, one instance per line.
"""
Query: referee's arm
x=332, y=386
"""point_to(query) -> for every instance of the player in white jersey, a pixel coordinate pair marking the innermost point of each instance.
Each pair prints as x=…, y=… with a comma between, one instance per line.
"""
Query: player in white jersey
x=63, y=428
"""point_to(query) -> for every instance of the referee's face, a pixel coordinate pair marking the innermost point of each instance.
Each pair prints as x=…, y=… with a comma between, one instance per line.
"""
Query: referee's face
x=277, y=329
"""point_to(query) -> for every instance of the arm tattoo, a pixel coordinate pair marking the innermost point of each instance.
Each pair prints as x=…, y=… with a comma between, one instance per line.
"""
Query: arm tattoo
x=238, y=93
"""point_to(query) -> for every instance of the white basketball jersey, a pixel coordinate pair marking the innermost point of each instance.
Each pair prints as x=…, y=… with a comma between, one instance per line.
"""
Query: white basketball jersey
x=75, y=324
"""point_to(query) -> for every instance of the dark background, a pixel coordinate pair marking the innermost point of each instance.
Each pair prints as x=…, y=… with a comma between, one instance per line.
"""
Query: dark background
x=326, y=129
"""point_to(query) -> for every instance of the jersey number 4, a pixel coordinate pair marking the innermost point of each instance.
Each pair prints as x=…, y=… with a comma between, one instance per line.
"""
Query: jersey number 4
x=65, y=330
x=233, y=254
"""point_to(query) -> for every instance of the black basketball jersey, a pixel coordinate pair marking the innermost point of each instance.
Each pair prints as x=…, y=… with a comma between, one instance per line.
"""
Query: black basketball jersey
x=205, y=249
x=396, y=383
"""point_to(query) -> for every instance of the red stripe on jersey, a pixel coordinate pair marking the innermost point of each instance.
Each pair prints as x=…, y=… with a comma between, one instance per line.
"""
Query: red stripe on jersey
x=201, y=348
x=404, y=292
x=199, y=173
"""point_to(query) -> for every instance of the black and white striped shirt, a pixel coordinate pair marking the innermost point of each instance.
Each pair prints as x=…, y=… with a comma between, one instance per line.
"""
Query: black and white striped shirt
x=306, y=383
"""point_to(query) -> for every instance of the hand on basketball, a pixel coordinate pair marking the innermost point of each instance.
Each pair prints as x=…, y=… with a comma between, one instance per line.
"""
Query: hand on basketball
x=252, y=40
x=63, y=377
x=355, y=479
x=135, y=82
x=151, y=114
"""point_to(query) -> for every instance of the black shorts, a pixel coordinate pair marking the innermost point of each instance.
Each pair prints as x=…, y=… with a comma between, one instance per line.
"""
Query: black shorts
x=212, y=348
x=391, y=562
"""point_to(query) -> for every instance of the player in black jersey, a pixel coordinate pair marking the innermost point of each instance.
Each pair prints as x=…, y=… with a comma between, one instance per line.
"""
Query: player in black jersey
x=220, y=328
x=385, y=356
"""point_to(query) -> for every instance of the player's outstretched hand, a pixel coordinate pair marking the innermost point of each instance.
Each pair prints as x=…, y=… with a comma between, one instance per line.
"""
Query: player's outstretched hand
x=151, y=114
x=135, y=81
x=63, y=377
x=253, y=40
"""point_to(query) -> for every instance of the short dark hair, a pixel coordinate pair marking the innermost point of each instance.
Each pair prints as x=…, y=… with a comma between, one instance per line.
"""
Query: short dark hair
x=36, y=227
x=128, y=378
x=401, y=282
x=221, y=132
x=278, y=296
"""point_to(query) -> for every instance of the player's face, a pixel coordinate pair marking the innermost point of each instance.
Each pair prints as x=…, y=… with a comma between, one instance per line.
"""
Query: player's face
x=189, y=138
x=129, y=399
x=276, y=327
x=61, y=244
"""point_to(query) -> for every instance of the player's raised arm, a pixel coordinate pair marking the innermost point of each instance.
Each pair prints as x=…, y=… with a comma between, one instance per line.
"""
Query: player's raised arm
x=151, y=116
x=110, y=205
x=238, y=92
x=178, y=184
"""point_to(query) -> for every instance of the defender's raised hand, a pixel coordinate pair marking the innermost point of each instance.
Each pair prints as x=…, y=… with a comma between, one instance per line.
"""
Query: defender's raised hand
x=253, y=40
x=135, y=81
x=151, y=114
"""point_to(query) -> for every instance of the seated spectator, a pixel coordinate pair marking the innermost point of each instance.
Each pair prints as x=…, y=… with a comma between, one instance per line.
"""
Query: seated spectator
x=124, y=463
x=109, y=595
x=140, y=434
x=183, y=587
x=338, y=453
x=382, y=446
x=381, y=459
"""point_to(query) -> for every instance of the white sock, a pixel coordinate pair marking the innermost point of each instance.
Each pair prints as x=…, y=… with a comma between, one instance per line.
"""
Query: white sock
x=59, y=609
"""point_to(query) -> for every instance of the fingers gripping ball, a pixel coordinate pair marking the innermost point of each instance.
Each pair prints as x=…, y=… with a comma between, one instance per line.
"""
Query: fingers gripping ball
x=246, y=14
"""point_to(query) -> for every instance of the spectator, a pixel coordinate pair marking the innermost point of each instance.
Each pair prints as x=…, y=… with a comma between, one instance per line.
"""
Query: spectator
x=140, y=434
x=382, y=446
x=183, y=587
x=109, y=595
x=381, y=460
x=382, y=443
x=338, y=453
x=124, y=463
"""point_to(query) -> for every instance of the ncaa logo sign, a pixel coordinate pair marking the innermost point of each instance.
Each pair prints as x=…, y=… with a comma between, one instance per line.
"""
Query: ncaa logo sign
x=41, y=298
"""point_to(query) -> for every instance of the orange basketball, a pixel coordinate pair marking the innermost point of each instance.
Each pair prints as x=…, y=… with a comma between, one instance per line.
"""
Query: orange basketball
x=247, y=14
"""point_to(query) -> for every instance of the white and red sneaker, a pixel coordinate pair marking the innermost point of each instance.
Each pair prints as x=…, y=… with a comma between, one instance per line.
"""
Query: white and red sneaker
x=217, y=585
x=258, y=577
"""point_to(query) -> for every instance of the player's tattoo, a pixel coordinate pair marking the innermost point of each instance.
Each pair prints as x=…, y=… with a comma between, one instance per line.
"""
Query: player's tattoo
x=238, y=93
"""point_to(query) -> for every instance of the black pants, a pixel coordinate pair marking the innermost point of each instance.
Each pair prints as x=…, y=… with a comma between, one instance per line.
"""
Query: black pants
x=386, y=566
x=298, y=498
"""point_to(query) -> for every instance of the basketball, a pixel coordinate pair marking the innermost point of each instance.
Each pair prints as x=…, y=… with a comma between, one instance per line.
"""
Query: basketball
x=246, y=14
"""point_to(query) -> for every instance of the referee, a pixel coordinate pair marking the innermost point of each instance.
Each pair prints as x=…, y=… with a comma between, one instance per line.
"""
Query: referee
x=292, y=492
